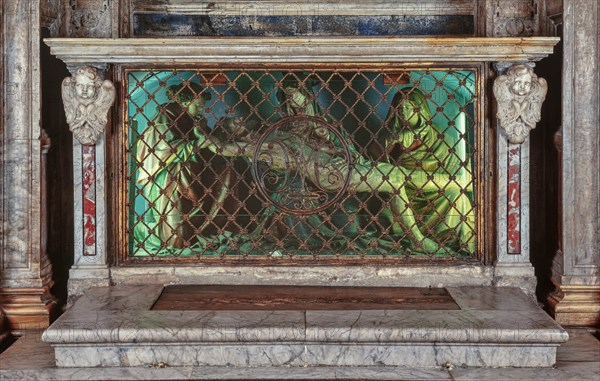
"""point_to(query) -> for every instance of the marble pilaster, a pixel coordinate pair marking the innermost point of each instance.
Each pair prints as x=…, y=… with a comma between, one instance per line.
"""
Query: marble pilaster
x=576, y=268
x=90, y=19
x=513, y=267
x=90, y=263
x=25, y=272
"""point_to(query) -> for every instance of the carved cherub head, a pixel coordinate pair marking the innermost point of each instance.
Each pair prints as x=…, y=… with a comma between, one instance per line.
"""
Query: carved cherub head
x=87, y=99
x=521, y=78
x=520, y=94
x=86, y=82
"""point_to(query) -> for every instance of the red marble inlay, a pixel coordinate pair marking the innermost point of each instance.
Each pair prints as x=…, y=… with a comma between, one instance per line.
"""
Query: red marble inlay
x=514, y=200
x=89, y=199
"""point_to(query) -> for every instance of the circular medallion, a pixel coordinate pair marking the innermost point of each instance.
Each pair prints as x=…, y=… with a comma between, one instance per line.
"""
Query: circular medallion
x=302, y=164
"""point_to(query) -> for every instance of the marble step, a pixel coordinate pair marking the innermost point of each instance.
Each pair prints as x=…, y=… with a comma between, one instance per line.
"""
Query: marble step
x=116, y=327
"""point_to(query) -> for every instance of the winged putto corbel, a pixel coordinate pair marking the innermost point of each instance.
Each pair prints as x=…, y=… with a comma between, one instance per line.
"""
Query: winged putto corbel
x=87, y=99
x=520, y=94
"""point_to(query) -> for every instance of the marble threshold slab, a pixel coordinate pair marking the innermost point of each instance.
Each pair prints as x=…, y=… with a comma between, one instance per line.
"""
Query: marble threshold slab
x=495, y=327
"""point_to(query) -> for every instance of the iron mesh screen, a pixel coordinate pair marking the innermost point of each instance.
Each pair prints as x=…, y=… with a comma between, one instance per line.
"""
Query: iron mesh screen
x=301, y=164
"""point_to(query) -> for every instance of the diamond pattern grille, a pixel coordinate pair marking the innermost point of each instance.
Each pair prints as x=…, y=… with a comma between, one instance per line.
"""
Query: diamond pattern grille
x=383, y=161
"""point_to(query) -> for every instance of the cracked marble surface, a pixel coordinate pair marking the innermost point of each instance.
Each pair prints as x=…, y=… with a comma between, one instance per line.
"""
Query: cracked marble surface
x=31, y=359
x=487, y=298
x=113, y=327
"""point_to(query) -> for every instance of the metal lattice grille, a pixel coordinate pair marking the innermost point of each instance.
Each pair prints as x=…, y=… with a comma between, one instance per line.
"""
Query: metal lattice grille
x=301, y=164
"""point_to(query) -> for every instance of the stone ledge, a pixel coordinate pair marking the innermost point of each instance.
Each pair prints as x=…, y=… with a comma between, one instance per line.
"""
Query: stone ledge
x=351, y=50
x=113, y=326
x=375, y=276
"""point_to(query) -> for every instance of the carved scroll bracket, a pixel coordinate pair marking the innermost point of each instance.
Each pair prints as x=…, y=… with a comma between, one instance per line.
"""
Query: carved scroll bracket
x=519, y=94
x=87, y=97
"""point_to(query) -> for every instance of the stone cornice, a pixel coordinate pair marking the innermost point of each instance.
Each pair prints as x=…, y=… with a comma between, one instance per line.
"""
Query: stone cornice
x=83, y=51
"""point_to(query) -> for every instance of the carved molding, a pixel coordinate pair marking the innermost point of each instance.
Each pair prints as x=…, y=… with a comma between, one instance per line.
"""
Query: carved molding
x=575, y=305
x=520, y=94
x=89, y=18
x=49, y=13
x=87, y=99
x=513, y=18
x=553, y=23
x=172, y=51
x=27, y=308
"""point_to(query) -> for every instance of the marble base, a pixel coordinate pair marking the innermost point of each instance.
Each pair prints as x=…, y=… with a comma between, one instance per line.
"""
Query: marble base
x=31, y=359
x=495, y=327
x=521, y=275
x=81, y=279
x=576, y=305
x=369, y=276
x=84, y=277
x=27, y=308
x=303, y=355
x=580, y=371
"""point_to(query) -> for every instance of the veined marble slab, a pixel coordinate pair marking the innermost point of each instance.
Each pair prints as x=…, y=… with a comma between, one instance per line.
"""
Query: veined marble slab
x=302, y=355
x=114, y=327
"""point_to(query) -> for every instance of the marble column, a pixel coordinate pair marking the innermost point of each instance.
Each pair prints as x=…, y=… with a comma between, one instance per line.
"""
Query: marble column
x=519, y=95
x=25, y=270
x=576, y=266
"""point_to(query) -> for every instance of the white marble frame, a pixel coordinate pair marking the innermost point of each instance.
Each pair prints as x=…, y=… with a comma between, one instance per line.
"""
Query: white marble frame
x=319, y=50
x=173, y=51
